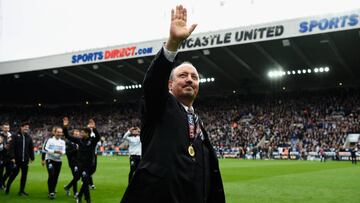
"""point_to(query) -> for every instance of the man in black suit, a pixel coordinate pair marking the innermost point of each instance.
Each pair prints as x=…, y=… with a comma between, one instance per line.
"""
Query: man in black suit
x=178, y=163
x=71, y=153
x=85, y=154
x=21, y=152
x=5, y=163
x=353, y=155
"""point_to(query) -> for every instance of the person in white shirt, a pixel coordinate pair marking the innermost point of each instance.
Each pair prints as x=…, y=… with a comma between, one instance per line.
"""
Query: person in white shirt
x=55, y=148
x=94, y=163
x=133, y=137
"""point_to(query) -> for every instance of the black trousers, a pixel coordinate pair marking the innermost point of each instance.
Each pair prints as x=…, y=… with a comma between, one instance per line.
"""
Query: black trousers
x=134, y=162
x=53, y=168
x=6, y=166
x=9, y=167
x=2, y=166
x=23, y=166
x=353, y=160
x=322, y=158
x=84, y=174
x=75, y=173
x=92, y=171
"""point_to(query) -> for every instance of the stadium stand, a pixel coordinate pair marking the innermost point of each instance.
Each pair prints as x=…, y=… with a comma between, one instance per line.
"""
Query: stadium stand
x=239, y=125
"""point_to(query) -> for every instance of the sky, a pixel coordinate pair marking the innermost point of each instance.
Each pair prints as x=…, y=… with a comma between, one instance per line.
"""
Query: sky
x=37, y=28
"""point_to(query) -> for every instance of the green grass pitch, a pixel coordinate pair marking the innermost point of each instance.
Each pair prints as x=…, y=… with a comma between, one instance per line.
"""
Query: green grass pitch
x=247, y=181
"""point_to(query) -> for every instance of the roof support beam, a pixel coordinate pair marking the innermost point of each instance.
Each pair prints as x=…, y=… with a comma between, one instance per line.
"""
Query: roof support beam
x=72, y=84
x=267, y=55
x=301, y=54
x=337, y=54
x=116, y=73
x=87, y=82
x=218, y=69
x=98, y=76
x=134, y=68
x=242, y=62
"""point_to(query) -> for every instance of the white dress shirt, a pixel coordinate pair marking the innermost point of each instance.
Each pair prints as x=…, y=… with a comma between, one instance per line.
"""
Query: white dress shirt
x=53, y=145
x=134, y=143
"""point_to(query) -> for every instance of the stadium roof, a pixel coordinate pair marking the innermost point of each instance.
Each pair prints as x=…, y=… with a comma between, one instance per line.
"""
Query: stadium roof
x=240, y=67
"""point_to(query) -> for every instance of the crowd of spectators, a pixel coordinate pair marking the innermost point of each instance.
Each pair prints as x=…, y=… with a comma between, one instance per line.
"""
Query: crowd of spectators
x=299, y=121
x=302, y=121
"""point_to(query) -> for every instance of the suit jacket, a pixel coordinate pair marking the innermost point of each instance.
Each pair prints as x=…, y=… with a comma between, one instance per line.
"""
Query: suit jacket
x=71, y=153
x=21, y=148
x=4, y=148
x=86, y=150
x=167, y=173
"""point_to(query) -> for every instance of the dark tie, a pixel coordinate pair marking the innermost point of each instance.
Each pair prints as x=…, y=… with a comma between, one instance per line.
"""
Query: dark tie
x=193, y=121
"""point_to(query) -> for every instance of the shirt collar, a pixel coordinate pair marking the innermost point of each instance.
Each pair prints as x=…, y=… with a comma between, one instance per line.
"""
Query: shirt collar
x=187, y=108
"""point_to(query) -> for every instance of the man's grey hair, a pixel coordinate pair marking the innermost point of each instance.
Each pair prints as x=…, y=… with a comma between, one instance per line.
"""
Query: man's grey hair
x=183, y=63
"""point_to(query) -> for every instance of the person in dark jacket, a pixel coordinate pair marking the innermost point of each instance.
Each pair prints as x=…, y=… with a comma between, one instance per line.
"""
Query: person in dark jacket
x=5, y=163
x=71, y=153
x=85, y=154
x=21, y=152
x=353, y=155
x=179, y=164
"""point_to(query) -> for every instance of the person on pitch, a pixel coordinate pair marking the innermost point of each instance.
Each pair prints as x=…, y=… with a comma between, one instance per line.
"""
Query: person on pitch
x=71, y=154
x=5, y=163
x=133, y=137
x=178, y=164
x=54, y=148
x=85, y=154
x=21, y=152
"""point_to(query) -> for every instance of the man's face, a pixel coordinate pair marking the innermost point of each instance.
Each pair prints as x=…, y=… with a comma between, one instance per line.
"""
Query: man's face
x=184, y=82
x=6, y=128
x=76, y=133
x=83, y=134
x=135, y=132
x=24, y=129
x=58, y=132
